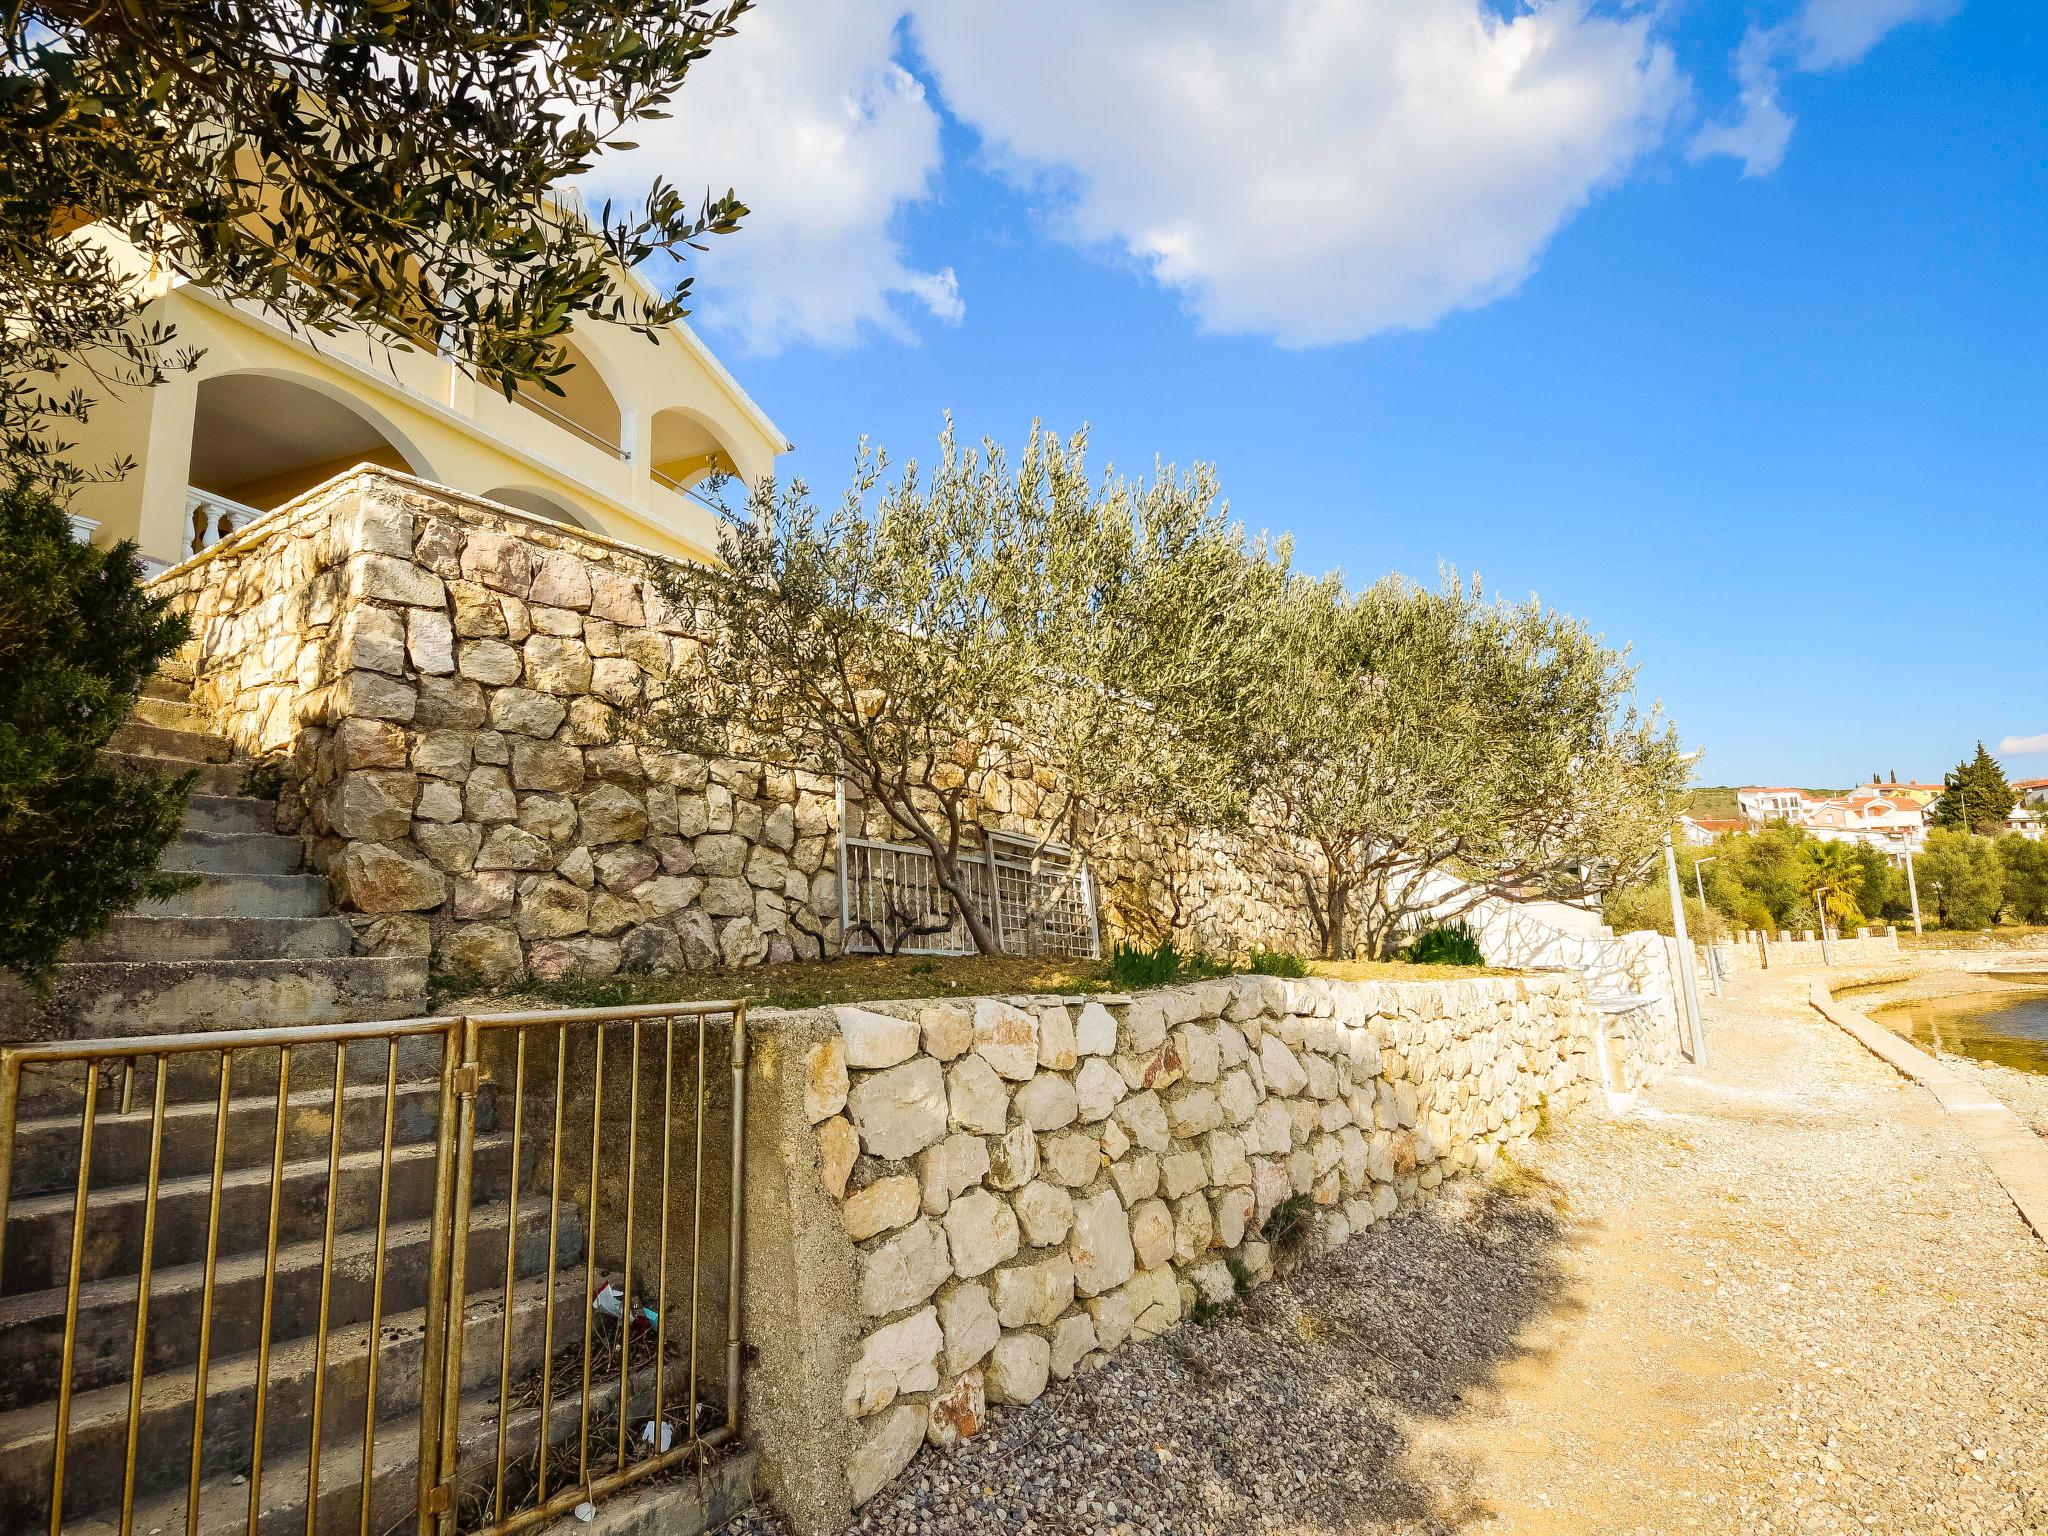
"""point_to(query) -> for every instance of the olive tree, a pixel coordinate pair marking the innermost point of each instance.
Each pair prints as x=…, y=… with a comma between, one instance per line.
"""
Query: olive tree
x=1431, y=749
x=399, y=169
x=988, y=636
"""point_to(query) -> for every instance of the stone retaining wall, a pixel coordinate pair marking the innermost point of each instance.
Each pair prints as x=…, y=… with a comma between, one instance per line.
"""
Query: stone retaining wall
x=1757, y=951
x=448, y=683
x=967, y=1200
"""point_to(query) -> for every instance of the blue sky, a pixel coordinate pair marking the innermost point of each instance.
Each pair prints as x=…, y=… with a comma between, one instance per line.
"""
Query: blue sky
x=1732, y=344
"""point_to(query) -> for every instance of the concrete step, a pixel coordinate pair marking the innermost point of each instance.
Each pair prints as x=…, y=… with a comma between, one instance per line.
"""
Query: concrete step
x=99, y=998
x=39, y=1228
x=136, y=936
x=233, y=853
x=56, y=1090
x=211, y=778
x=173, y=689
x=46, y=1146
x=141, y=739
x=246, y=895
x=172, y=714
x=230, y=813
x=394, y=1485
x=32, y=1326
x=96, y=1449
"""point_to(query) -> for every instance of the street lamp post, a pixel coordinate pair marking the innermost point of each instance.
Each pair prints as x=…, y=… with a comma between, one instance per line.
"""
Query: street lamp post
x=1692, y=989
x=1713, y=955
x=1913, y=890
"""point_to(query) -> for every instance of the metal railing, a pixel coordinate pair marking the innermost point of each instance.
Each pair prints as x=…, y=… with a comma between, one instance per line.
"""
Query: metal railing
x=1037, y=901
x=431, y=1291
x=210, y=518
x=571, y=425
x=710, y=503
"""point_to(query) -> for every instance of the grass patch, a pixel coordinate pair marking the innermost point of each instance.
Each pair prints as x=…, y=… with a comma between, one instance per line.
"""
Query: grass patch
x=876, y=978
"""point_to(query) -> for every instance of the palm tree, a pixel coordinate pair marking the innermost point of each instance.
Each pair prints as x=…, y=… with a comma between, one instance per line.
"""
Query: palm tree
x=1832, y=867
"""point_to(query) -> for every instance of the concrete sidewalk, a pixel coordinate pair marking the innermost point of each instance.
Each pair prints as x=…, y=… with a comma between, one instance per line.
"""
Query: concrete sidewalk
x=2017, y=1157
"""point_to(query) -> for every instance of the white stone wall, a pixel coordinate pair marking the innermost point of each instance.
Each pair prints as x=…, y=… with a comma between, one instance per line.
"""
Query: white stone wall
x=1756, y=951
x=1028, y=1184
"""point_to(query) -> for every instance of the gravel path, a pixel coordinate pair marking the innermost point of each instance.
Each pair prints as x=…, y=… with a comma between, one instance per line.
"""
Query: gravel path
x=1783, y=1295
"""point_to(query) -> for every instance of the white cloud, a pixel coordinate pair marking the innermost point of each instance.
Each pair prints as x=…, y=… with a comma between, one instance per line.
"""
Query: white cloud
x=1819, y=35
x=1832, y=33
x=2024, y=746
x=806, y=114
x=1318, y=171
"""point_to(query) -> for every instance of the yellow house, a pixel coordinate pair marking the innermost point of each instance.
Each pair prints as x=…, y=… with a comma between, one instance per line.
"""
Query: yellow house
x=267, y=414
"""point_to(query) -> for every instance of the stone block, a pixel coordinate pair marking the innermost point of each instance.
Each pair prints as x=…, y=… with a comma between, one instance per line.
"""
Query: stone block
x=372, y=805
x=1006, y=1037
x=551, y=908
x=546, y=765
x=883, y=1206
x=1013, y=1158
x=958, y=1412
x=825, y=1081
x=968, y=1319
x=1151, y=1234
x=1098, y=1089
x=838, y=1150
x=1045, y=1213
x=491, y=662
x=610, y=814
x=904, y=1270
x=1056, y=1043
x=449, y=703
x=1072, y=1158
x=903, y=1357
x=951, y=1166
x=429, y=640
x=900, y=1111
x=522, y=712
x=1072, y=1342
x=885, y=1450
x=488, y=952
x=1018, y=1369
x=948, y=1030
x=977, y=1097
x=1100, y=1244
x=1046, y=1103
x=1034, y=1294
x=557, y=664
x=1095, y=1031
x=379, y=877
x=981, y=1232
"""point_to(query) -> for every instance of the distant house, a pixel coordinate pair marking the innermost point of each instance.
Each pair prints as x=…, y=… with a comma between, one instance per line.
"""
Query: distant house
x=1759, y=804
x=2029, y=816
x=1893, y=824
x=1922, y=795
x=1700, y=831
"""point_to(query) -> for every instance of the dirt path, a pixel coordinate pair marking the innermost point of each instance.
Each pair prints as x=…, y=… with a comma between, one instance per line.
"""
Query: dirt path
x=1782, y=1295
x=1802, y=1305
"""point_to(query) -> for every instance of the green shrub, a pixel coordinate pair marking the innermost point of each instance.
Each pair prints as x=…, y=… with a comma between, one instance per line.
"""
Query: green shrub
x=1445, y=944
x=1132, y=967
x=1276, y=962
x=79, y=842
x=264, y=779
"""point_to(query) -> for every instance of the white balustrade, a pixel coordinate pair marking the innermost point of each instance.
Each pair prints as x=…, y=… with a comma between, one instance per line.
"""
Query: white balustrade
x=210, y=518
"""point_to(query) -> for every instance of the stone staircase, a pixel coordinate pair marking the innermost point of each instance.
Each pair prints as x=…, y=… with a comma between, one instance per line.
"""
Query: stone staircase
x=253, y=943
x=33, y=1300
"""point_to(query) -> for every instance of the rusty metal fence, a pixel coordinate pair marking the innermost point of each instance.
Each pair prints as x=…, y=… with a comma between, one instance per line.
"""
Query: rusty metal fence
x=460, y=1273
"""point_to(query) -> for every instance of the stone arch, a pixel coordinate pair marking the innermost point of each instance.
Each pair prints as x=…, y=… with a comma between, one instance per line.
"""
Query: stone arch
x=261, y=436
x=539, y=503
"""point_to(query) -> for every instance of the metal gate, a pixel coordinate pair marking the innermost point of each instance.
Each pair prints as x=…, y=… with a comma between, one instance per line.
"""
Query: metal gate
x=446, y=1274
